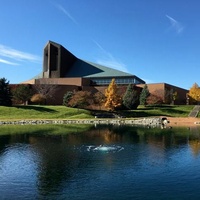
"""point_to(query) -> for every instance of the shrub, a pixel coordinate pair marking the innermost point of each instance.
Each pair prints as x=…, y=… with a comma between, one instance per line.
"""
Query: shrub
x=81, y=99
x=38, y=99
x=154, y=99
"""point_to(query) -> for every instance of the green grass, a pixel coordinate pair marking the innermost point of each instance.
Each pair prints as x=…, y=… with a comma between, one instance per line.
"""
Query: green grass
x=42, y=112
x=164, y=110
x=49, y=129
x=63, y=112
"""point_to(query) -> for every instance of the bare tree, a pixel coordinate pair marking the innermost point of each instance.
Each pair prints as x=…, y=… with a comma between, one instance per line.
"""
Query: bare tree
x=46, y=88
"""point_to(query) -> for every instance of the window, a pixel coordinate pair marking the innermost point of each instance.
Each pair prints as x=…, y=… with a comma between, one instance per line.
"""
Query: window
x=119, y=81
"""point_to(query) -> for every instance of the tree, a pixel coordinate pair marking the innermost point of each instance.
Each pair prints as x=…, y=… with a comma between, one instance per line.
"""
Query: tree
x=154, y=99
x=170, y=96
x=144, y=94
x=22, y=93
x=5, y=93
x=99, y=99
x=46, y=88
x=174, y=97
x=67, y=97
x=194, y=93
x=38, y=99
x=80, y=99
x=131, y=97
x=113, y=100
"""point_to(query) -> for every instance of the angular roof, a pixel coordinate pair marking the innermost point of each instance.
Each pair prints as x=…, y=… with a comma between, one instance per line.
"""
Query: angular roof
x=87, y=69
x=84, y=69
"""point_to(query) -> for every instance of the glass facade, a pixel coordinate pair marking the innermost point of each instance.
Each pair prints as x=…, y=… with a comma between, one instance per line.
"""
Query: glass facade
x=119, y=81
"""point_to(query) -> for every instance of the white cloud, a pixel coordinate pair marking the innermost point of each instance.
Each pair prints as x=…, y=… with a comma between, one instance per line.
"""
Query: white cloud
x=175, y=25
x=61, y=8
x=14, y=54
x=7, y=62
x=107, y=59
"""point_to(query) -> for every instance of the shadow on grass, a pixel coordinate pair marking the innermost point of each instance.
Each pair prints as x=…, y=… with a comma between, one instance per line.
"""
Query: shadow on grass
x=137, y=114
x=177, y=112
x=37, y=108
x=157, y=107
x=151, y=111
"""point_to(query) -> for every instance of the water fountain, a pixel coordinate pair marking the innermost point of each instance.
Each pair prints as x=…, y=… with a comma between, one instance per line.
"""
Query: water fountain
x=105, y=148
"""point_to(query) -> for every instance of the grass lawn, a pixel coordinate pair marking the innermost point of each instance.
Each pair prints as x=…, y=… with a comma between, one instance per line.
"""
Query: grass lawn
x=164, y=110
x=62, y=112
x=47, y=129
x=42, y=112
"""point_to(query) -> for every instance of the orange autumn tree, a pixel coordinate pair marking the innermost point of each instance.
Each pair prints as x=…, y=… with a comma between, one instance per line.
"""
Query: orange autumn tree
x=194, y=92
x=113, y=100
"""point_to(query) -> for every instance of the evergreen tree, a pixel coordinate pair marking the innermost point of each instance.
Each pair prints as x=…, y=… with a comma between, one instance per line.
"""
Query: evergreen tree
x=131, y=97
x=5, y=93
x=113, y=100
x=144, y=94
x=67, y=98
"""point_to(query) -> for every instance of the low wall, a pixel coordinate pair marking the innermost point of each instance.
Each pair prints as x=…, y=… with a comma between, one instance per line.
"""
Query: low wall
x=149, y=122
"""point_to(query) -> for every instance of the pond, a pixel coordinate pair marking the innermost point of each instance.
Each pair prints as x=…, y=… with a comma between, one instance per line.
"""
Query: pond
x=103, y=162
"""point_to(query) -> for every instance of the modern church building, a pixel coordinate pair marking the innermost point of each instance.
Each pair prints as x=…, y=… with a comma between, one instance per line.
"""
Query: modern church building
x=58, y=62
x=62, y=68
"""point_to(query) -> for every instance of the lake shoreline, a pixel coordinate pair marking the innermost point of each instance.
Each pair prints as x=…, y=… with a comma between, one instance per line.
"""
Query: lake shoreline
x=183, y=121
x=149, y=121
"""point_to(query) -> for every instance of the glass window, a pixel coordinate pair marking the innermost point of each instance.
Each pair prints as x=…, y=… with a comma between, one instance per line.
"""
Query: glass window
x=106, y=81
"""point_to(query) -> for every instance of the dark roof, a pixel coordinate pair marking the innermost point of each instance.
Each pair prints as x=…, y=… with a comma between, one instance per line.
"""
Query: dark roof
x=54, y=43
x=87, y=69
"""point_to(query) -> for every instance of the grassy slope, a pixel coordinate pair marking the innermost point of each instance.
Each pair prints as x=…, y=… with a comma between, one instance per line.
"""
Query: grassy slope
x=49, y=129
x=170, y=111
x=42, y=112
x=62, y=112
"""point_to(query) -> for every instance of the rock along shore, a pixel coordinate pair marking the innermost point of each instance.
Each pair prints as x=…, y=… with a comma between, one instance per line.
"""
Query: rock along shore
x=152, y=121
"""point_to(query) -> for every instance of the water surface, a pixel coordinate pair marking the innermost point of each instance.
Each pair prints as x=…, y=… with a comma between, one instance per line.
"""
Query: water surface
x=103, y=162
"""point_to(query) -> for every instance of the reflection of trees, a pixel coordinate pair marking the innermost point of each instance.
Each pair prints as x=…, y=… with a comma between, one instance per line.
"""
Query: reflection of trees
x=57, y=162
x=4, y=140
x=110, y=134
x=194, y=141
x=161, y=140
x=195, y=146
x=11, y=139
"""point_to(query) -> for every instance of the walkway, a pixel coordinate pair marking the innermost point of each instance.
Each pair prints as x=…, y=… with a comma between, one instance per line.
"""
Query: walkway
x=195, y=111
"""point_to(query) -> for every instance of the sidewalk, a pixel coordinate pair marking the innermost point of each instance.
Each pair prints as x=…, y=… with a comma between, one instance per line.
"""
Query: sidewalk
x=195, y=111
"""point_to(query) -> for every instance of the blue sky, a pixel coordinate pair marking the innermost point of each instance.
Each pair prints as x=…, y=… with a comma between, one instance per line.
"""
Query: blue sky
x=156, y=40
